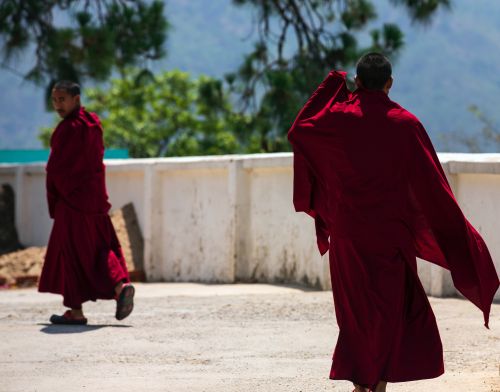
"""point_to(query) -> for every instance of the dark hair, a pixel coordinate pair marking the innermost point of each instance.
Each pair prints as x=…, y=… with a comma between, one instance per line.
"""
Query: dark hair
x=70, y=87
x=373, y=70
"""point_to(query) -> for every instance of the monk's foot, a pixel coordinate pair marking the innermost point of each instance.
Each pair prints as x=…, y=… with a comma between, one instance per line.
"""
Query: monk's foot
x=359, y=388
x=125, y=301
x=77, y=313
x=68, y=318
x=381, y=386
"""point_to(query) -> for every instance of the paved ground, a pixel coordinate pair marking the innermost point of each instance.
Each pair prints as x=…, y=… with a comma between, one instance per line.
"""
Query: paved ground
x=229, y=338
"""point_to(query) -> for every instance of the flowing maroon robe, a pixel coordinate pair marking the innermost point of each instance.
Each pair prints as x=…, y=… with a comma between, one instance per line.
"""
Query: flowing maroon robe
x=84, y=260
x=366, y=171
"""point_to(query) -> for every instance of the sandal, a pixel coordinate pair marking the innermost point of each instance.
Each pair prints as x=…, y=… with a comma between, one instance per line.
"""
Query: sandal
x=125, y=301
x=67, y=319
x=354, y=390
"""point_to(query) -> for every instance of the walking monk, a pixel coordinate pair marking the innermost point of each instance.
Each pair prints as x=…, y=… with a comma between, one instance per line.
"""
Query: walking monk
x=366, y=171
x=84, y=260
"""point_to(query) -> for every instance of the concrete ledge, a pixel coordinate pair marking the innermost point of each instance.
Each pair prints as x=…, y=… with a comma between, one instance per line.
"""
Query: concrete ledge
x=230, y=218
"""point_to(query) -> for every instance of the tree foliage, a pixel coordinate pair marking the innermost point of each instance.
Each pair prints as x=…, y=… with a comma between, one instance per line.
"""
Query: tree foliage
x=81, y=40
x=299, y=41
x=169, y=114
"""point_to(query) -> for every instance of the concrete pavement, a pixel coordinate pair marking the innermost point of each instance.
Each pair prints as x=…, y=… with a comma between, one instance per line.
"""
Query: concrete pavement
x=231, y=338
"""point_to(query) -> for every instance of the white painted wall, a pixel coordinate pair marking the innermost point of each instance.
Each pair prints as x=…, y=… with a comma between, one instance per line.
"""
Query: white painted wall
x=231, y=218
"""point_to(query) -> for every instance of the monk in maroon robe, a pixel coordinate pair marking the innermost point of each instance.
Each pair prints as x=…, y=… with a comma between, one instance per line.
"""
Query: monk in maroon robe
x=366, y=171
x=84, y=260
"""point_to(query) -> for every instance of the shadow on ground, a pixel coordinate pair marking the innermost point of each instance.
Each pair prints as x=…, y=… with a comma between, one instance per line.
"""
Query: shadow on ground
x=53, y=329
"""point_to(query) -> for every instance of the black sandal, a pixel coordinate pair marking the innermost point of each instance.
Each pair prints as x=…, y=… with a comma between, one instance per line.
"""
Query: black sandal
x=125, y=302
x=67, y=319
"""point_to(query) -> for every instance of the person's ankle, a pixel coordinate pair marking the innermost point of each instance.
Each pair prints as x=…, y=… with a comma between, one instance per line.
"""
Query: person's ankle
x=118, y=288
x=77, y=313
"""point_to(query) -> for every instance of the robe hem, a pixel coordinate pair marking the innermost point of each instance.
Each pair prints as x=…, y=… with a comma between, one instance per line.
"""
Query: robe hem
x=124, y=279
x=389, y=379
x=75, y=306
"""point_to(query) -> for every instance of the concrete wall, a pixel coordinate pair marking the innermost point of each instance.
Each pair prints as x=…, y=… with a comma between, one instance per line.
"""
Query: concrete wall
x=230, y=218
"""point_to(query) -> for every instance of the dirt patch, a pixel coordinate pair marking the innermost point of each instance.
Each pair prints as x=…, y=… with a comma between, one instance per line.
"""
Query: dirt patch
x=23, y=267
x=20, y=264
x=129, y=233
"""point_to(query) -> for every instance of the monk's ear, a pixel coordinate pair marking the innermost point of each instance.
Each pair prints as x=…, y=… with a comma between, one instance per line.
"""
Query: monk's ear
x=358, y=82
x=388, y=84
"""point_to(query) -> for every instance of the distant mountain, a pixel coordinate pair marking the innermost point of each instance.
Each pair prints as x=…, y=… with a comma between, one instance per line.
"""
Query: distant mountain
x=444, y=68
x=450, y=66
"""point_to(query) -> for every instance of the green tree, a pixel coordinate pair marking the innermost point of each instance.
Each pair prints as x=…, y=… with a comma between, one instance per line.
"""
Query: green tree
x=299, y=42
x=89, y=40
x=169, y=114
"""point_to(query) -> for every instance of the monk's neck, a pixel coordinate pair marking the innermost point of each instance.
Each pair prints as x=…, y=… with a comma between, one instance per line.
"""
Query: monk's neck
x=74, y=112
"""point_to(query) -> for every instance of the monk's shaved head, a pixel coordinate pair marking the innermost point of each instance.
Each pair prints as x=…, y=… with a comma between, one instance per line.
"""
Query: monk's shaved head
x=70, y=87
x=373, y=71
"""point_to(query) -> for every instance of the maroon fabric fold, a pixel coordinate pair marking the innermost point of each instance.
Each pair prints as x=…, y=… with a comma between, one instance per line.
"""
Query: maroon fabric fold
x=84, y=260
x=366, y=171
x=309, y=193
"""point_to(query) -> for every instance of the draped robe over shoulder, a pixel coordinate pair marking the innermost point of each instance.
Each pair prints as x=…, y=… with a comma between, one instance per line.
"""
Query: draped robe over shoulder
x=84, y=260
x=366, y=171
